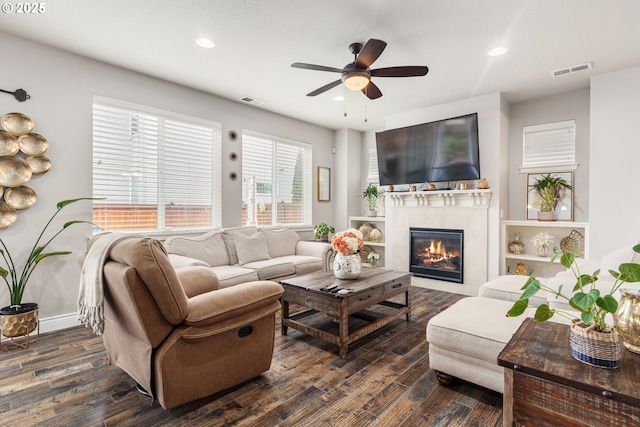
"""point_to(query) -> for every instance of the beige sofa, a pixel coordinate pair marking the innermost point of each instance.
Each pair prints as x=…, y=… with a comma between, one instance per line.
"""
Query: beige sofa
x=245, y=254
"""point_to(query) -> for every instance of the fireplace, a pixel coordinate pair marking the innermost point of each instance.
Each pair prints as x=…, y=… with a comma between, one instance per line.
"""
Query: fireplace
x=436, y=253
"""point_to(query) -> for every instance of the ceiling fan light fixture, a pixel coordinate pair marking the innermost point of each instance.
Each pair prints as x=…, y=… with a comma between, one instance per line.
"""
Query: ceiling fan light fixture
x=356, y=80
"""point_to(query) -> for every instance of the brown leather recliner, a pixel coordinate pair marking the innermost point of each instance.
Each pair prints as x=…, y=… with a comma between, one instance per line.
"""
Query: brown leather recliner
x=178, y=335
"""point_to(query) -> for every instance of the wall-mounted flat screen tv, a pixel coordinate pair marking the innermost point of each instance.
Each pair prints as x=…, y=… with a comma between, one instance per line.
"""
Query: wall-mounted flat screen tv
x=441, y=151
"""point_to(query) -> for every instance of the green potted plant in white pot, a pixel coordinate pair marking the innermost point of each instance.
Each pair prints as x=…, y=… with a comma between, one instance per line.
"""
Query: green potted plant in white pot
x=371, y=193
x=18, y=318
x=550, y=189
x=592, y=340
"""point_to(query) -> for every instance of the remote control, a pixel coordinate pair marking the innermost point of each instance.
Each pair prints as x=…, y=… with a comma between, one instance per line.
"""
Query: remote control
x=328, y=288
x=334, y=290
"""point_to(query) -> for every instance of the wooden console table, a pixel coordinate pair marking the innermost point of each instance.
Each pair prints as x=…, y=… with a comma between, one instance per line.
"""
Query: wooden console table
x=545, y=386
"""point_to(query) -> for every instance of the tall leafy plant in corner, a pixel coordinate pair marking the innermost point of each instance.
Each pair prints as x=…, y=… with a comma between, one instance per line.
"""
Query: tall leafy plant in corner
x=16, y=280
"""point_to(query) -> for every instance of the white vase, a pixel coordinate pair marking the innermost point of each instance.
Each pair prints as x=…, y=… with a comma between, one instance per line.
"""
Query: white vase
x=347, y=266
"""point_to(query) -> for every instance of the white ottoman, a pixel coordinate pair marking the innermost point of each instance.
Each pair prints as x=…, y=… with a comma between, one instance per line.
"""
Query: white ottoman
x=509, y=288
x=466, y=339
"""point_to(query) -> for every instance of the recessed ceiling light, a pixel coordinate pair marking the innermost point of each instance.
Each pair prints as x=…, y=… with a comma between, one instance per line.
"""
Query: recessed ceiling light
x=206, y=43
x=497, y=51
x=338, y=98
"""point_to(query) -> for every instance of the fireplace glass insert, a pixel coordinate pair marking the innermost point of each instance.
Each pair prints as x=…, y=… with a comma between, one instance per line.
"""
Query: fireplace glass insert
x=436, y=253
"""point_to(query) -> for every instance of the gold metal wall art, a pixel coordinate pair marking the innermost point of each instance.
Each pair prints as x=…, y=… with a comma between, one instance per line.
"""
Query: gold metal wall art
x=14, y=171
x=21, y=156
x=17, y=124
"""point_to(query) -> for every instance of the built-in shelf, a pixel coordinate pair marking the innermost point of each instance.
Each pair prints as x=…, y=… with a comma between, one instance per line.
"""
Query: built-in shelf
x=533, y=263
x=376, y=222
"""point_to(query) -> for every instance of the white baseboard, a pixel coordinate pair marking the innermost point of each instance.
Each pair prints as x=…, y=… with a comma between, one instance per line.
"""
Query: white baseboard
x=56, y=323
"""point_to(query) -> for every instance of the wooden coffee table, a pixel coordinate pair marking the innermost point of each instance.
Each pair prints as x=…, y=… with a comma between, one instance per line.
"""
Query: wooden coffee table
x=375, y=286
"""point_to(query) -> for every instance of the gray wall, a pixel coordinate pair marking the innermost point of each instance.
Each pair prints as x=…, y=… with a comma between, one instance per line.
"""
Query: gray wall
x=614, y=158
x=566, y=106
x=62, y=86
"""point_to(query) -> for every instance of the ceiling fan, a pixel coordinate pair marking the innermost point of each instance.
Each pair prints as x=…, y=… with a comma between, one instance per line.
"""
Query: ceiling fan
x=357, y=74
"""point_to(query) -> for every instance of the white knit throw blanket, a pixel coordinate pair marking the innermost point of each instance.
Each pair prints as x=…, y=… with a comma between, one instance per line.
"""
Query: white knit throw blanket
x=91, y=293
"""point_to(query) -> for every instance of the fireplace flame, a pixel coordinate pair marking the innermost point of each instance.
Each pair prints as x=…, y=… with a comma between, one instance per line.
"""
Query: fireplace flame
x=436, y=254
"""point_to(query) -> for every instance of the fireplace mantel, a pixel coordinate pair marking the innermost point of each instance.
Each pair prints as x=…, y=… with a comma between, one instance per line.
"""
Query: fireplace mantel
x=441, y=198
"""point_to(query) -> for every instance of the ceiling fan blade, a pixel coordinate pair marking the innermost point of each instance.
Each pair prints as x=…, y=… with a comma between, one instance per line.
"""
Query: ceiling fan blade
x=372, y=91
x=408, y=71
x=315, y=67
x=370, y=52
x=325, y=88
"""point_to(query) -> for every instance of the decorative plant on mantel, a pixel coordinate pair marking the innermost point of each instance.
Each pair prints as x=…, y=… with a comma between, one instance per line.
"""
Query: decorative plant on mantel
x=371, y=193
x=17, y=281
x=551, y=189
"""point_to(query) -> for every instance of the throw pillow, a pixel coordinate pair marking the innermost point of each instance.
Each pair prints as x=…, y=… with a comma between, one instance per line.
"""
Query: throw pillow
x=251, y=248
x=613, y=260
x=281, y=242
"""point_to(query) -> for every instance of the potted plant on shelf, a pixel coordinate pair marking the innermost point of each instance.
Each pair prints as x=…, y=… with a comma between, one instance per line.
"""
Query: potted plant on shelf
x=371, y=193
x=550, y=189
x=18, y=318
x=321, y=231
x=592, y=340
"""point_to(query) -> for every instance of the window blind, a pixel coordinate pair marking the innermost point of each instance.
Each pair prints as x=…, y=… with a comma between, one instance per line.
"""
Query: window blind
x=157, y=170
x=277, y=181
x=373, y=176
x=550, y=144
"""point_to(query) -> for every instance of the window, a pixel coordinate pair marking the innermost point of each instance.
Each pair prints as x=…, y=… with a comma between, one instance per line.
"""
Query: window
x=549, y=145
x=276, y=181
x=372, y=176
x=158, y=171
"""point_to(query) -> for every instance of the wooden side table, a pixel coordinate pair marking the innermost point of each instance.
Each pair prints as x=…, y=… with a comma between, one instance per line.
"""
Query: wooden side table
x=545, y=386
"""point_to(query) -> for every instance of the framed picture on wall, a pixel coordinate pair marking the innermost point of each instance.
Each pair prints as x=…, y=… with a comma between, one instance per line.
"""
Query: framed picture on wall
x=564, y=207
x=324, y=184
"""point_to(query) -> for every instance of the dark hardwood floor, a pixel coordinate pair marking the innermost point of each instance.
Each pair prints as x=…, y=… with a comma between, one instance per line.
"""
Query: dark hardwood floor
x=64, y=379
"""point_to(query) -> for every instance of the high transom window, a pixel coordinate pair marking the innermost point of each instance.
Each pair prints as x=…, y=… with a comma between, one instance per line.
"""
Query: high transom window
x=157, y=170
x=276, y=181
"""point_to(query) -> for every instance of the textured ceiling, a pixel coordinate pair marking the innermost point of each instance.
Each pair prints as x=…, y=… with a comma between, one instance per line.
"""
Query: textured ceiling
x=257, y=41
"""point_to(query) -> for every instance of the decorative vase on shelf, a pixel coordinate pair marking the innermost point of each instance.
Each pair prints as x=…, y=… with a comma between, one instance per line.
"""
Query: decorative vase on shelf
x=546, y=216
x=542, y=250
x=516, y=247
x=347, y=266
x=627, y=319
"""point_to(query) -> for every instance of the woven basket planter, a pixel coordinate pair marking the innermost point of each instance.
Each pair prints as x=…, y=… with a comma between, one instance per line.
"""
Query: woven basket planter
x=595, y=348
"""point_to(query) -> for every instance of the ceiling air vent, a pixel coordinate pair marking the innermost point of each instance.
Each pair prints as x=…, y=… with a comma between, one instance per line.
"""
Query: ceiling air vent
x=250, y=100
x=574, y=69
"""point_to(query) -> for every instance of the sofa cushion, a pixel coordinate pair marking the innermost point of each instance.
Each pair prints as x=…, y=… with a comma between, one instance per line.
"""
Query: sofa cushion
x=509, y=288
x=271, y=268
x=281, y=242
x=229, y=240
x=251, y=248
x=209, y=247
x=229, y=275
x=304, y=264
x=613, y=260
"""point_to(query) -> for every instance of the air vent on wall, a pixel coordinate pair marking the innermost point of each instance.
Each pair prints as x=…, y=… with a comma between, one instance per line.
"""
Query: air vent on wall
x=250, y=100
x=574, y=69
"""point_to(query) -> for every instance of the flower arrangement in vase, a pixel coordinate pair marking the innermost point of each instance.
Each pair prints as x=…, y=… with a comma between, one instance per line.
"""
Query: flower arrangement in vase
x=373, y=258
x=541, y=242
x=347, y=244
